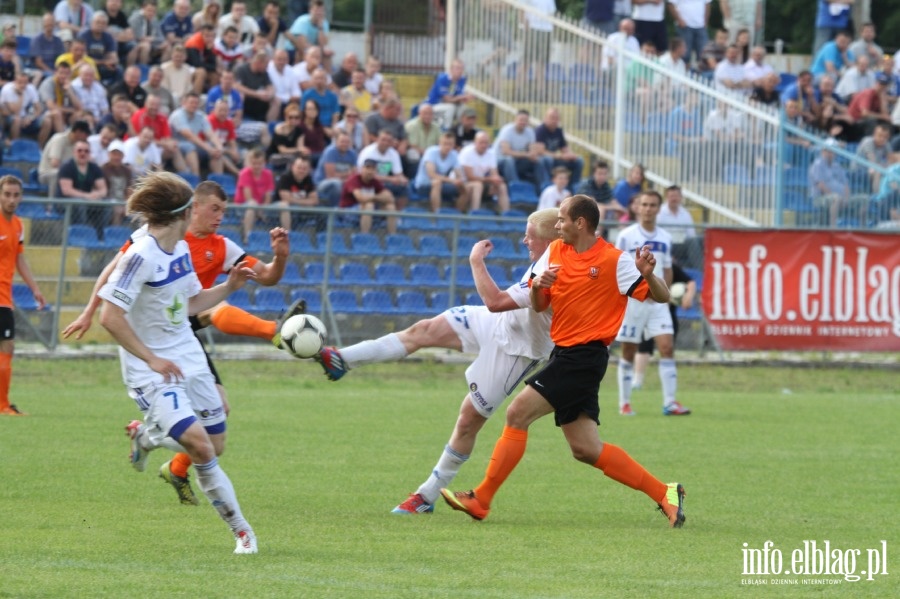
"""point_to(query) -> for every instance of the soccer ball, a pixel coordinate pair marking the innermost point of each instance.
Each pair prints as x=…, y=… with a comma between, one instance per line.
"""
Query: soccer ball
x=303, y=335
x=676, y=292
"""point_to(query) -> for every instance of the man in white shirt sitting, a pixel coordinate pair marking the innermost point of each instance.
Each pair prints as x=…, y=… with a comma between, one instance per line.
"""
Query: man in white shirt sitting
x=142, y=155
x=674, y=217
x=284, y=79
x=729, y=75
x=479, y=165
x=755, y=69
x=856, y=79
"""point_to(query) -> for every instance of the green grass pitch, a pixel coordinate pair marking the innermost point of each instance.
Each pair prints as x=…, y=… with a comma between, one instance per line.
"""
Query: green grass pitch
x=770, y=454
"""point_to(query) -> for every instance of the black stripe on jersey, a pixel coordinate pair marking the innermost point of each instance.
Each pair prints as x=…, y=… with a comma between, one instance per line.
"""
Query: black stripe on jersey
x=634, y=286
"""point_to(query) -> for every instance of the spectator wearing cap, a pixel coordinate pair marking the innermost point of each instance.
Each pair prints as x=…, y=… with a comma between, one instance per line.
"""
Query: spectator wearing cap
x=59, y=149
x=829, y=185
x=465, y=130
x=363, y=190
x=118, y=179
x=448, y=94
x=46, y=46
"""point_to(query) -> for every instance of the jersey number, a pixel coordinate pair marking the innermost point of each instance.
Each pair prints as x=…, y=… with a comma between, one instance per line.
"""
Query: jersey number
x=174, y=397
x=625, y=329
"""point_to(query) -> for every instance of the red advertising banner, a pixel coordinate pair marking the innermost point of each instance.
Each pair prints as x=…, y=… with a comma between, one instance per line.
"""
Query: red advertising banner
x=798, y=290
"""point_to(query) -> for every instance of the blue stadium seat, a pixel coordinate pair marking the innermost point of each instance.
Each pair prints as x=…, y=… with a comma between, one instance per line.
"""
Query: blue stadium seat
x=269, y=300
x=412, y=194
x=192, y=179
x=764, y=176
x=518, y=272
x=232, y=234
x=556, y=72
x=366, y=244
x=314, y=273
x=291, y=274
x=434, y=246
x=302, y=244
x=447, y=224
x=241, y=299
x=313, y=299
x=505, y=249
x=464, y=246
x=354, y=273
x=342, y=301
x=23, y=298
x=259, y=242
x=583, y=73
x=860, y=183
x=24, y=150
x=412, y=302
x=338, y=245
x=796, y=177
x=508, y=226
x=228, y=183
x=32, y=185
x=390, y=274
x=421, y=274
x=441, y=300
x=84, y=236
x=114, y=236
x=377, y=302
x=145, y=70
x=498, y=273
x=399, y=244
x=23, y=47
x=522, y=192
x=697, y=276
x=463, y=275
x=414, y=218
x=785, y=79
x=473, y=299
x=8, y=170
x=482, y=225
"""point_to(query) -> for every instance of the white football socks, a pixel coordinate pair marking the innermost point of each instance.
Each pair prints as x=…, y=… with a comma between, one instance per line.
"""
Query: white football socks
x=668, y=376
x=384, y=349
x=625, y=375
x=443, y=474
x=217, y=487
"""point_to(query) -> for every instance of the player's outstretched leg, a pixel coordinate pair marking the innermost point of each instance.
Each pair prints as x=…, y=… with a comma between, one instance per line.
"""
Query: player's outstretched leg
x=332, y=362
x=298, y=307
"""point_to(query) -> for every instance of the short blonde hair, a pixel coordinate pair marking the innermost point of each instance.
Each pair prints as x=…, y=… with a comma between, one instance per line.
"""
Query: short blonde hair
x=545, y=223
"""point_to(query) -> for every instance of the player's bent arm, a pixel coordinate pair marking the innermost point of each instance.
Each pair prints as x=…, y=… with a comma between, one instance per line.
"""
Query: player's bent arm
x=269, y=274
x=659, y=291
x=540, y=300
x=207, y=298
x=494, y=299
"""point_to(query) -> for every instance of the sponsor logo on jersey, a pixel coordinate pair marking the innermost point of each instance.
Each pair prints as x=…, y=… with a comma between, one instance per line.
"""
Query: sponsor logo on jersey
x=479, y=399
x=122, y=297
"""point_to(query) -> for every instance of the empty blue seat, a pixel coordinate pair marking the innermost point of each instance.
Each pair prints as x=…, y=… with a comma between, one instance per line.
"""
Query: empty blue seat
x=337, y=245
x=796, y=177
x=241, y=299
x=366, y=244
x=425, y=274
x=269, y=300
x=505, y=249
x=389, y=273
x=498, y=273
x=697, y=276
x=463, y=275
x=84, y=236
x=354, y=273
x=342, y=301
x=115, y=236
x=233, y=235
x=415, y=218
x=481, y=224
x=434, y=246
x=291, y=274
x=518, y=272
x=400, y=245
x=24, y=150
x=377, y=302
x=23, y=298
x=464, y=246
x=412, y=302
x=228, y=183
x=259, y=242
x=23, y=46
x=8, y=170
x=513, y=225
x=737, y=174
x=191, y=179
x=314, y=272
x=302, y=244
x=32, y=185
x=522, y=192
x=312, y=298
x=441, y=300
x=473, y=299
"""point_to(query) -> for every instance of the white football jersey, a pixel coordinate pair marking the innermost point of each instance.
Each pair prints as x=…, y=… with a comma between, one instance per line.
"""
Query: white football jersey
x=634, y=237
x=524, y=332
x=154, y=288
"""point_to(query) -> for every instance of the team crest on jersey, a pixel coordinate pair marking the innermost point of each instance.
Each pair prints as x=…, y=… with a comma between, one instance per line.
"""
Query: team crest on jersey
x=209, y=255
x=594, y=272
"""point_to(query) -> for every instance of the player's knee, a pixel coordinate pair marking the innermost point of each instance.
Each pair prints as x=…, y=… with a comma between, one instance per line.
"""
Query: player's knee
x=419, y=333
x=584, y=452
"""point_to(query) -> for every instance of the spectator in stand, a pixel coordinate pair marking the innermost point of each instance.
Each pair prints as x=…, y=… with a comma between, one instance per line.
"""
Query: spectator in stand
x=201, y=54
x=91, y=94
x=23, y=112
x=59, y=149
x=725, y=131
x=46, y=46
x=228, y=49
x=742, y=41
x=756, y=69
x=876, y=148
x=130, y=87
x=224, y=129
x=829, y=186
x=797, y=148
x=599, y=14
x=832, y=115
x=77, y=57
x=888, y=200
x=674, y=217
x=118, y=27
x=833, y=57
x=119, y=118
x=691, y=18
x=389, y=168
x=465, y=130
x=180, y=77
x=81, y=178
x=649, y=22
x=312, y=29
x=832, y=19
x=210, y=15
x=246, y=25
x=287, y=139
x=59, y=97
x=639, y=77
x=669, y=93
x=869, y=107
x=336, y=165
x=597, y=187
x=616, y=42
x=448, y=94
x=296, y=188
x=141, y=154
x=365, y=190
x=742, y=15
x=765, y=92
x=478, y=161
x=151, y=115
x=803, y=91
x=312, y=60
x=260, y=44
x=386, y=92
x=252, y=81
x=284, y=80
x=630, y=186
x=713, y=53
x=356, y=94
x=325, y=99
x=72, y=17
x=313, y=135
x=353, y=126
x=344, y=75
x=373, y=74
x=422, y=133
x=557, y=191
x=729, y=74
x=255, y=187
x=154, y=86
x=439, y=177
x=151, y=43
x=388, y=117
x=519, y=154
x=176, y=25
x=10, y=65
x=866, y=46
x=194, y=135
x=101, y=46
x=270, y=23
x=856, y=78
x=118, y=179
x=556, y=150
x=99, y=144
x=226, y=91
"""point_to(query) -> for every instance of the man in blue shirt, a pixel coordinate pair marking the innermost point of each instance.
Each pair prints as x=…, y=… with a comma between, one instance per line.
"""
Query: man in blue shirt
x=312, y=30
x=329, y=105
x=829, y=185
x=337, y=163
x=176, y=26
x=556, y=148
x=833, y=57
x=447, y=95
x=46, y=46
x=832, y=17
x=438, y=175
x=102, y=47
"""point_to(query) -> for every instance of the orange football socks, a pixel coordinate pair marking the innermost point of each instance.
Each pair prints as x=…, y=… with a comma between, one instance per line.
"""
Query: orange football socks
x=5, y=376
x=180, y=464
x=235, y=321
x=507, y=452
x=621, y=467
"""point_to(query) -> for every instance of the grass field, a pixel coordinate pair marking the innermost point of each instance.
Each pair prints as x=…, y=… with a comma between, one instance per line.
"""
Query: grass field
x=785, y=455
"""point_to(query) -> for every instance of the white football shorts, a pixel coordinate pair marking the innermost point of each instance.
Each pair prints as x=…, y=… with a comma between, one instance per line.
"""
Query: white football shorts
x=649, y=319
x=166, y=404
